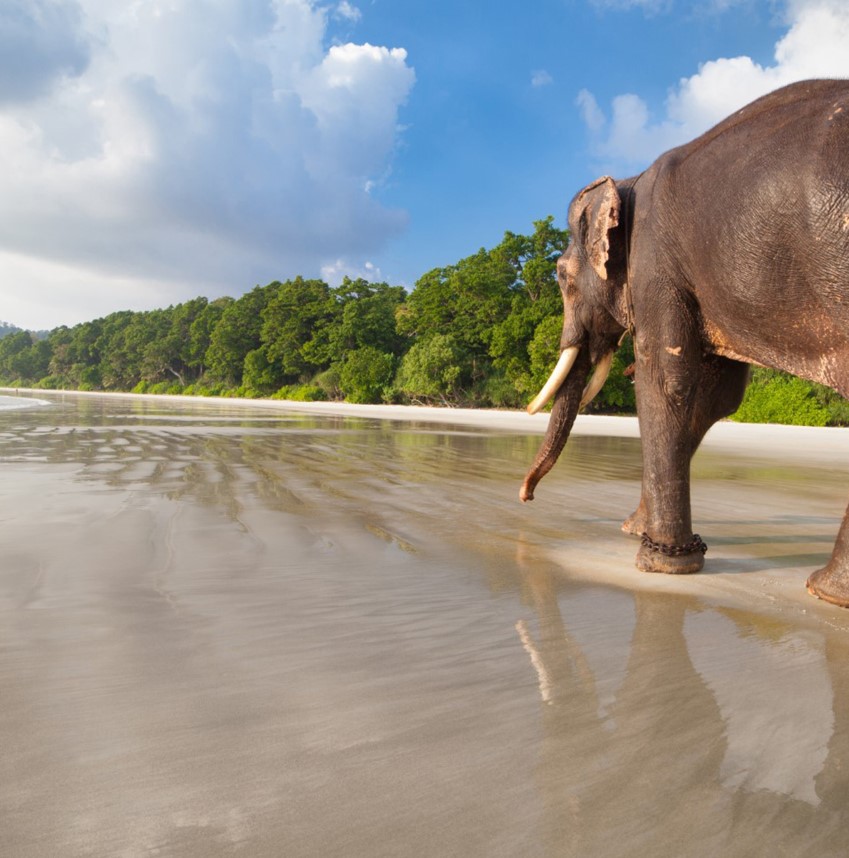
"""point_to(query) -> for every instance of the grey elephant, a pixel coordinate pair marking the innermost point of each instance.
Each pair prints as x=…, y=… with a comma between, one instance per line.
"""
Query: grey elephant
x=728, y=251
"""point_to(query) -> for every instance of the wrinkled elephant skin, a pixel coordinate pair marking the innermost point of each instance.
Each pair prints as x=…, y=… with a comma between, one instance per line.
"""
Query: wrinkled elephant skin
x=730, y=250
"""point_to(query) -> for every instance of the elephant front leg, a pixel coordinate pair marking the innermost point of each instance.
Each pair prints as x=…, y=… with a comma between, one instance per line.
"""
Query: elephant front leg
x=681, y=395
x=668, y=542
x=831, y=583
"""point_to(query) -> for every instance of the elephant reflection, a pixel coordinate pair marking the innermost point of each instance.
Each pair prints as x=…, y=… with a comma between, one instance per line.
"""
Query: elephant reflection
x=686, y=753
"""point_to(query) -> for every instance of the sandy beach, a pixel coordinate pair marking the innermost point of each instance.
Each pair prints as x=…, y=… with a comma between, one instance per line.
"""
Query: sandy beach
x=235, y=627
x=812, y=443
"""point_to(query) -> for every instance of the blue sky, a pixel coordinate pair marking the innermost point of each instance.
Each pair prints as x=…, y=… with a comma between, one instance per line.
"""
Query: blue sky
x=156, y=150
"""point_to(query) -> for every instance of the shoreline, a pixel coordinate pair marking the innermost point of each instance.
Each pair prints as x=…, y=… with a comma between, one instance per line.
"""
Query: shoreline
x=810, y=444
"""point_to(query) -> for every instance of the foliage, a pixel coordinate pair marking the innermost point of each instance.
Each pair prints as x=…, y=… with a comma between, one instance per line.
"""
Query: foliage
x=500, y=392
x=330, y=382
x=365, y=374
x=16, y=355
x=484, y=331
x=295, y=327
x=261, y=375
x=617, y=395
x=432, y=370
x=775, y=397
x=301, y=393
x=236, y=333
x=8, y=328
x=835, y=405
x=366, y=319
x=543, y=351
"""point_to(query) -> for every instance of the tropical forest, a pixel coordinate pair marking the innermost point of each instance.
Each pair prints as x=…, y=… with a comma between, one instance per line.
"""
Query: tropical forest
x=483, y=332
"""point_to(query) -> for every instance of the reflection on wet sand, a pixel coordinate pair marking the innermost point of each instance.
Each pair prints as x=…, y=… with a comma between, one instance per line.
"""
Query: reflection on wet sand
x=227, y=633
x=727, y=734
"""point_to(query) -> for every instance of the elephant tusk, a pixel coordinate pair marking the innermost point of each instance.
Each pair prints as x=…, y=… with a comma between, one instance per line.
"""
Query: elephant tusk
x=602, y=370
x=556, y=379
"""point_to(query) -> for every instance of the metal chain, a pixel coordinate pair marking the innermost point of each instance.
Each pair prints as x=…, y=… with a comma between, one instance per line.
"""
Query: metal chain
x=694, y=545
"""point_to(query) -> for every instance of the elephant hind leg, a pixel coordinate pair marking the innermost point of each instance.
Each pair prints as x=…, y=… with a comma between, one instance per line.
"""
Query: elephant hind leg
x=722, y=385
x=831, y=583
x=635, y=524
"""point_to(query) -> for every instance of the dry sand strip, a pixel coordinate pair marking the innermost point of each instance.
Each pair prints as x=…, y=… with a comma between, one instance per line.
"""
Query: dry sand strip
x=809, y=444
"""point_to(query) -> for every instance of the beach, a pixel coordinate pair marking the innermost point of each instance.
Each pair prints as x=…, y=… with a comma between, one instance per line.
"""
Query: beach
x=239, y=627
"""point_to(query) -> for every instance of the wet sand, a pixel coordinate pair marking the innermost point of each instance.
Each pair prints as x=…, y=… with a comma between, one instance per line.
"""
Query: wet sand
x=233, y=628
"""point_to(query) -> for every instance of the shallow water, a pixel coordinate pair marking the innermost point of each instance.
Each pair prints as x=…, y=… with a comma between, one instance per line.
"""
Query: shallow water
x=227, y=632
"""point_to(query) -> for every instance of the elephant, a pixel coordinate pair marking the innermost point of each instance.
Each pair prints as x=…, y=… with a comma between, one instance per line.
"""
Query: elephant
x=728, y=251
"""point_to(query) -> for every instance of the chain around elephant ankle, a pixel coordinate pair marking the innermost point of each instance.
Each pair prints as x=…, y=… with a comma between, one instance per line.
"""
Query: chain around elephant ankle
x=694, y=545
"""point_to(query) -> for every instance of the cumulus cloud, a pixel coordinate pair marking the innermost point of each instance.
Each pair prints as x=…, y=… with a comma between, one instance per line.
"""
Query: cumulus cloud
x=815, y=45
x=190, y=148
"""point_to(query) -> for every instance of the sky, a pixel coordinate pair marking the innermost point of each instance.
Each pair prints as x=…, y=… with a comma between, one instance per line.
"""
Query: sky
x=157, y=150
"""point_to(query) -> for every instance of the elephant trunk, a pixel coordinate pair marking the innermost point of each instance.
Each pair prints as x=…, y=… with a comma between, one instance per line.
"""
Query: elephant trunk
x=567, y=402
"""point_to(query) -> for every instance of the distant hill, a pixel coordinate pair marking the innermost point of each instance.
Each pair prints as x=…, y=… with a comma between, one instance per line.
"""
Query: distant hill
x=8, y=328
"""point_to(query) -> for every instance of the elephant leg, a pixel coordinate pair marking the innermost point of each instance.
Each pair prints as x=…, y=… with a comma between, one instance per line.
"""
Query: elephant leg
x=831, y=583
x=636, y=524
x=723, y=383
x=679, y=401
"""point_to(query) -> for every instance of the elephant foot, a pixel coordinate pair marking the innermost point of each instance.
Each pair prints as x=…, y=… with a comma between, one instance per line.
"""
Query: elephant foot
x=671, y=559
x=830, y=585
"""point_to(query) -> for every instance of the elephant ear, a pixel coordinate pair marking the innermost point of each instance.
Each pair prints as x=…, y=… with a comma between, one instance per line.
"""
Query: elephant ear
x=596, y=211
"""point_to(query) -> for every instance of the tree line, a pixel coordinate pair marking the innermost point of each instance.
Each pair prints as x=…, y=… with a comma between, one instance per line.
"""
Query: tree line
x=483, y=332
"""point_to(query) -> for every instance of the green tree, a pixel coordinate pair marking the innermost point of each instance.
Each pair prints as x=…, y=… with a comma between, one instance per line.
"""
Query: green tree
x=543, y=352
x=261, y=375
x=776, y=397
x=296, y=327
x=466, y=300
x=200, y=333
x=119, y=363
x=834, y=404
x=41, y=356
x=367, y=318
x=536, y=298
x=618, y=394
x=236, y=334
x=162, y=346
x=534, y=259
x=366, y=373
x=432, y=370
x=15, y=349
x=176, y=354
x=492, y=303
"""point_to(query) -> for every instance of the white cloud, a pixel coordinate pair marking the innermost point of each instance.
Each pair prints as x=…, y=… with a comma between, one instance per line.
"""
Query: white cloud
x=541, y=78
x=334, y=272
x=193, y=147
x=348, y=12
x=815, y=45
x=591, y=113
